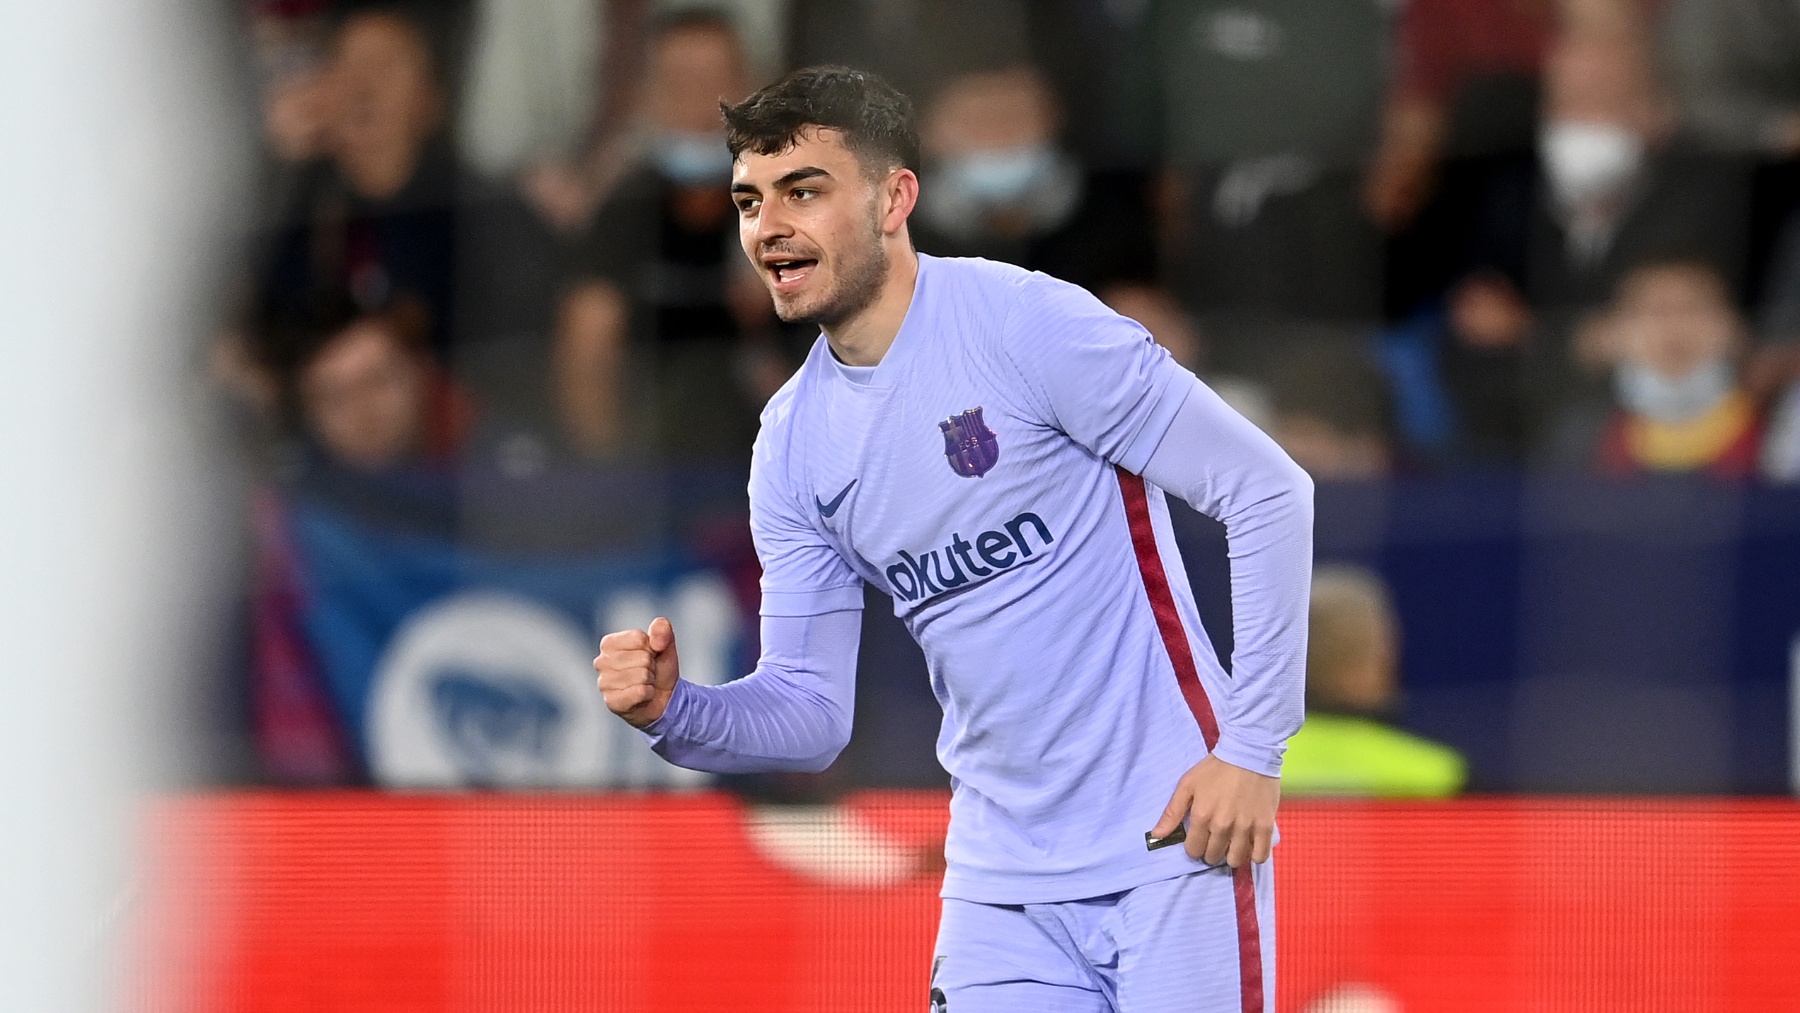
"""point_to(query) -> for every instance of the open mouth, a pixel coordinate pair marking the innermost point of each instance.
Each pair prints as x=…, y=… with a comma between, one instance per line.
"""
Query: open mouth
x=789, y=272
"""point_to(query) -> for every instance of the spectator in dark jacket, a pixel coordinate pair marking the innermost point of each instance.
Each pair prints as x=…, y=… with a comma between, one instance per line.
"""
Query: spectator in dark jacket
x=1547, y=245
x=667, y=343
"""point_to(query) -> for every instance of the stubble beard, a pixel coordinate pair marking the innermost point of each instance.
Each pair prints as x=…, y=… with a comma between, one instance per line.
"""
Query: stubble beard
x=859, y=283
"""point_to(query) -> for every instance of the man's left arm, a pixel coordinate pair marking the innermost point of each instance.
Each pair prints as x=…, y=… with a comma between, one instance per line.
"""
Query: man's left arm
x=1224, y=467
x=1099, y=378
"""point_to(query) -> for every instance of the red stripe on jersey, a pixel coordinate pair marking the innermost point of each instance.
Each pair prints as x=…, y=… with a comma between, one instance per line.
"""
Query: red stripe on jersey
x=1162, y=605
x=1187, y=676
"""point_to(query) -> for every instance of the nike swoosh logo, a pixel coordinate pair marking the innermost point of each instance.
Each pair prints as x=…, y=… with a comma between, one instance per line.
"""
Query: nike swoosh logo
x=827, y=509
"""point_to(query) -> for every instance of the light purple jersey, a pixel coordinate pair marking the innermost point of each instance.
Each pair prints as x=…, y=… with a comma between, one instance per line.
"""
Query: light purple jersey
x=986, y=475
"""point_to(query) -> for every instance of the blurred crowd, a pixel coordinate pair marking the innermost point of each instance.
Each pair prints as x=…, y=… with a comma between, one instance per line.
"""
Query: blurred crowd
x=1405, y=236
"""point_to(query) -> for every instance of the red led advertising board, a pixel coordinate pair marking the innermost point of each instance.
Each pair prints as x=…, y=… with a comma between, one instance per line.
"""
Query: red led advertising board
x=260, y=903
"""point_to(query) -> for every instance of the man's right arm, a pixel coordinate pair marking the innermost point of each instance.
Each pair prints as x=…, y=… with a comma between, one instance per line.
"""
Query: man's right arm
x=794, y=711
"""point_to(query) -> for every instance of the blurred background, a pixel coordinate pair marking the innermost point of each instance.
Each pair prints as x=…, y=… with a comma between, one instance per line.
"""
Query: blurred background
x=1517, y=281
x=471, y=363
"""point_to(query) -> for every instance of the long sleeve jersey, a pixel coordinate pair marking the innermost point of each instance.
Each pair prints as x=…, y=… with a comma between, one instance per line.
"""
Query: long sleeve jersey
x=999, y=474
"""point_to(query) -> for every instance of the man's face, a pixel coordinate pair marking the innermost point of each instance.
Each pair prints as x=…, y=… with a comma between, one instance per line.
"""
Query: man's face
x=384, y=86
x=691, y=70
x=812, y=222
x=1000, y=111
x=1675, y=319
x=365, y=396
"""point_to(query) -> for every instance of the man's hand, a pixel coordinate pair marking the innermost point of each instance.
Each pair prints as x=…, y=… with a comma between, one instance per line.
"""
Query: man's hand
x=1230, y=813
x=638, y=671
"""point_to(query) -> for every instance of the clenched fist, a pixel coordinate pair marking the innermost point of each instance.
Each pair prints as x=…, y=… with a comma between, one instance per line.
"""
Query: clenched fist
x=638, y=672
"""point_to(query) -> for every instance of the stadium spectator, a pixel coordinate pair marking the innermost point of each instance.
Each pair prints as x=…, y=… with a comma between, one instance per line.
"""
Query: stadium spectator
x=1613, y=185
x=997, y=177
x=376, y=216
x=1349, y=745
x=1461, y=103
x=998, y=183
x=387, y=213
x=1675, y=338
x=666, y=341
x=369, y=395
x=1546, y=245
x=1464, y=82
x=1618, y=183
x=1331, y=412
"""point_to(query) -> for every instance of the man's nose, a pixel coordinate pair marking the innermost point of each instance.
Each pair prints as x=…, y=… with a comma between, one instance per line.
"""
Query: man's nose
x=772, y=222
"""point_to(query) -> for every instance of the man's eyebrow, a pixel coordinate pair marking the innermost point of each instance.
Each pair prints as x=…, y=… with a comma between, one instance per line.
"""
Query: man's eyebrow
x=810, y=172
x=797, y=176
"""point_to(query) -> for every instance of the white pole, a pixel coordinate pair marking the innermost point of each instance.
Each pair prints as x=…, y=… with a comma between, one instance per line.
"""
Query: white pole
x=111, y=187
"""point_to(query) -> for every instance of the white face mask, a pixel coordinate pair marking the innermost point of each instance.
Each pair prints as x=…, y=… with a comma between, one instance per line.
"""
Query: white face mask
x=1036, y=180
x=692, y=159
x=1589, y=161
x=1646, y=392
x=1000, y=178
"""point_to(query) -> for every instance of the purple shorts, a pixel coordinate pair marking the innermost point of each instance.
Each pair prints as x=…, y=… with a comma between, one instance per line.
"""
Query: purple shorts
x=1203, y=942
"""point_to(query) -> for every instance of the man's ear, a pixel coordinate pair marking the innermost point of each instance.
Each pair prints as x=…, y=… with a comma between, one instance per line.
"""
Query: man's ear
x=899, y=195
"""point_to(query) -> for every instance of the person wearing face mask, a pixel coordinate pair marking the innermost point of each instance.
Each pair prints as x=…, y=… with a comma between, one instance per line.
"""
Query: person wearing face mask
x=991, y=154
x=1546, y=241
x=1591, y=169
x=999, y=185
x=1676, y=336
x=1617, y=180
x=665, y=342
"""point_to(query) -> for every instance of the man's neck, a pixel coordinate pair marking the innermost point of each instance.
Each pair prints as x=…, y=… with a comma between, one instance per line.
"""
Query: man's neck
x=863, y=339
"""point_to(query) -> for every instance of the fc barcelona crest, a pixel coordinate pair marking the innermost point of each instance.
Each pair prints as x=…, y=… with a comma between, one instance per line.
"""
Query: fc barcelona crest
x=969, y=444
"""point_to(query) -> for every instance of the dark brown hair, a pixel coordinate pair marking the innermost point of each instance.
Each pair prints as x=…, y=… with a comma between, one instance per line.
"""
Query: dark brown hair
x=875, y=120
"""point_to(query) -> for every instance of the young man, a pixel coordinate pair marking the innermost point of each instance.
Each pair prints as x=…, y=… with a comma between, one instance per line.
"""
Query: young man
x=988, y=446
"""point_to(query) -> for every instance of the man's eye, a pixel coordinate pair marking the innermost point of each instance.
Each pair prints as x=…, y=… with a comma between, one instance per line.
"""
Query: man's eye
x=805, y=194
x=747, y=205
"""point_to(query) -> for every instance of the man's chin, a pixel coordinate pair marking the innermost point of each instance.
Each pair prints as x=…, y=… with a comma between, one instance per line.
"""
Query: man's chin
x=797, y=311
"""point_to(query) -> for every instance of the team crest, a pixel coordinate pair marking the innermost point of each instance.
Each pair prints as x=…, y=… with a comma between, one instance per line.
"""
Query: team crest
x=970, y=445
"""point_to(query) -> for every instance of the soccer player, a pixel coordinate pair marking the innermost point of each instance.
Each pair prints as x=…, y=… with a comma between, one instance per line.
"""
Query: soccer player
x=990, y=447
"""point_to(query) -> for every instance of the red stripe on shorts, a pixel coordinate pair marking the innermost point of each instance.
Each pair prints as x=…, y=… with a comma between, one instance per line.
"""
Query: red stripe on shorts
x=1187, y=676
x=1250, y=968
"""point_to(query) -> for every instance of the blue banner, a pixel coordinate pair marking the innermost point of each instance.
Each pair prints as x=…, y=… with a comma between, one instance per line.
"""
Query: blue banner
x=448, y=666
